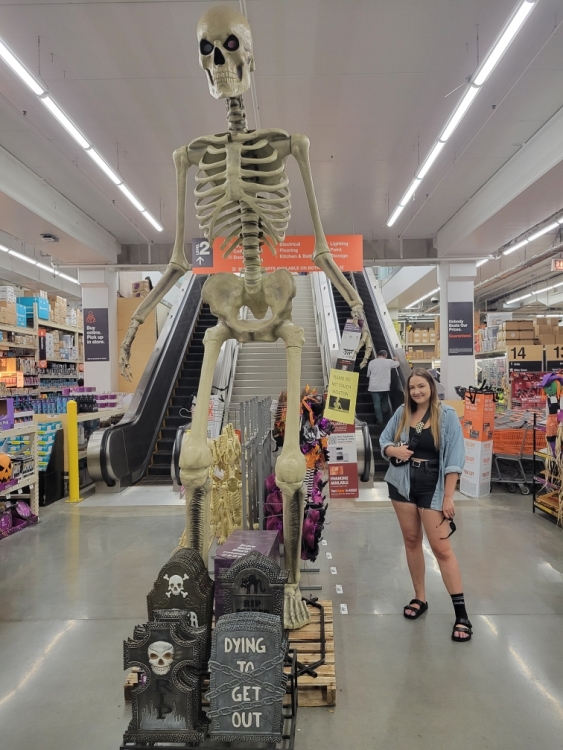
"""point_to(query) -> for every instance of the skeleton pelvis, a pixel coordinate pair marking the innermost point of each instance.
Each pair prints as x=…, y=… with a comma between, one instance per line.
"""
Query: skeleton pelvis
x=226, y=294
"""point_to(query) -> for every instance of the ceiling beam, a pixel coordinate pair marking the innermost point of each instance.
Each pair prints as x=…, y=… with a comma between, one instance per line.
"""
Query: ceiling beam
x=537, y=156
x=24, y=186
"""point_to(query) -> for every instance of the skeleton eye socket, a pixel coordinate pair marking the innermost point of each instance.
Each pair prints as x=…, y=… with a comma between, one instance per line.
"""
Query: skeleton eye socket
x=153, y=656
x=168, y=655
x=231, y=43
x=205, y=47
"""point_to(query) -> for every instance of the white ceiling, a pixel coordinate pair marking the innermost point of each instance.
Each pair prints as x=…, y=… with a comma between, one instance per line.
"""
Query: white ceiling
x=366, y=80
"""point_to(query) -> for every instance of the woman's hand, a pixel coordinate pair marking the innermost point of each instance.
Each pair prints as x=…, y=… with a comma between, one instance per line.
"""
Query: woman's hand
x=448, y=508
x=399, y=451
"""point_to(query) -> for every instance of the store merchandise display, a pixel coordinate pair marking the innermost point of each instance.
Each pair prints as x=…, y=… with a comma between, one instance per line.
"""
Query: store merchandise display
x=227, y=293
x=46, y=432
x=422, y=342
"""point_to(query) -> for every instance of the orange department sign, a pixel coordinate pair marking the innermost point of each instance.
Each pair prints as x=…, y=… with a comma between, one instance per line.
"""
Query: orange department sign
x=294, y=253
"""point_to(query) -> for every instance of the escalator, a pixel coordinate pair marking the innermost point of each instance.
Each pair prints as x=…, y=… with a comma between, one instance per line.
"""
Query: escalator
x=381, y=340
x=140, y=446
x=178, y=412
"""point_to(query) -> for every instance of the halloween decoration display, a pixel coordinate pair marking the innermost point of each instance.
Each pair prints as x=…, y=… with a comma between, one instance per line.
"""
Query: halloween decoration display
x=242, y=194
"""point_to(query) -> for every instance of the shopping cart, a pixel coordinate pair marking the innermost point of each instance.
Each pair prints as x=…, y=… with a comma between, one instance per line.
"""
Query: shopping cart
x=513, y=457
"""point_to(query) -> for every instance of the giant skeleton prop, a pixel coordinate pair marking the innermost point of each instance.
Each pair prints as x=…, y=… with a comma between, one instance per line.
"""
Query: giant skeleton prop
x=242, y=194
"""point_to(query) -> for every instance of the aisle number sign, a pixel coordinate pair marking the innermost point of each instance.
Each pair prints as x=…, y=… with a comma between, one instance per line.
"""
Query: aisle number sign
x=554, y=357
x=525, y=358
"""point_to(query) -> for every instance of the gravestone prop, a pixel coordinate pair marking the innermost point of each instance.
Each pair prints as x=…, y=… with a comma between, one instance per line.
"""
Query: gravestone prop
x=167, y=700
x=184, y=586
x=247, y=680
x=255, y=583
x=239, y=544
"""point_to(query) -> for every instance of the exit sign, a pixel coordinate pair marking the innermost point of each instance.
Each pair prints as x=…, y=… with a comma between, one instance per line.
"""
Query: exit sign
x=557, y=264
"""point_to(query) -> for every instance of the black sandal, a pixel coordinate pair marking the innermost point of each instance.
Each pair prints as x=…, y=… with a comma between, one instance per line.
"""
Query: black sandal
x=423, y=606
x=467, y=629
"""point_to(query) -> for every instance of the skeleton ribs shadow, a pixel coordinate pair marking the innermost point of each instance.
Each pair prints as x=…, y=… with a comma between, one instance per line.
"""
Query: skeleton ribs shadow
x=242, y=194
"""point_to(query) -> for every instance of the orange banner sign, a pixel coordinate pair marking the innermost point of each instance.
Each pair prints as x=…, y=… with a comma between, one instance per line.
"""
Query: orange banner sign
x=294, y=253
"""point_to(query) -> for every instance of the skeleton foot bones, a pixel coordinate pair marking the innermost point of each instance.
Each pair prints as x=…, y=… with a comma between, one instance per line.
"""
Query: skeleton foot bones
x=242, y=194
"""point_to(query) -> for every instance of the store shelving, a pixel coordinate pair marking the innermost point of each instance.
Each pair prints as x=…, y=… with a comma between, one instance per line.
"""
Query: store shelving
x=545, y=493
x=29, y=480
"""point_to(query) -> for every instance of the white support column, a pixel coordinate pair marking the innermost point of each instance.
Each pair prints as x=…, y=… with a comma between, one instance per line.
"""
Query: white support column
x=456, y=282
x=99, y=290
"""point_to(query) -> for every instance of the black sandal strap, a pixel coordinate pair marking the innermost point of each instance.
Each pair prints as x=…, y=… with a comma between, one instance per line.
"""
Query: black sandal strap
x=415, y=601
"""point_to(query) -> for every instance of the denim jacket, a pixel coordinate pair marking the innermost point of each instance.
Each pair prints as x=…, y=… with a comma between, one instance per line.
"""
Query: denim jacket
x=452, y=453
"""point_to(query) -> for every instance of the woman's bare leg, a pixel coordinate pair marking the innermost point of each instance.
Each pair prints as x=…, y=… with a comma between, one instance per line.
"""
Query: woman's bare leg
x=411, y=528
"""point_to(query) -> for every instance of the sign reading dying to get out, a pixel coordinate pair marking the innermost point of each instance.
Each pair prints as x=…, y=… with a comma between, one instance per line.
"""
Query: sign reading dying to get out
x=294, y=253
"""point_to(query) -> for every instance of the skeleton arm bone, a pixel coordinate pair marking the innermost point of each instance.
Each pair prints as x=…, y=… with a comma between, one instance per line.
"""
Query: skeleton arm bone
x=176, y=268
x=322, y=256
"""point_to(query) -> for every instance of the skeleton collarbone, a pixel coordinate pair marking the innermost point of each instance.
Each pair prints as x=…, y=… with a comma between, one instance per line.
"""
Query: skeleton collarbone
x=240, y=173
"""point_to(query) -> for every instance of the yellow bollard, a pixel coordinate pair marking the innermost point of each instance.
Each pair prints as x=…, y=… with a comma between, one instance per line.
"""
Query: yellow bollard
x=72, y=452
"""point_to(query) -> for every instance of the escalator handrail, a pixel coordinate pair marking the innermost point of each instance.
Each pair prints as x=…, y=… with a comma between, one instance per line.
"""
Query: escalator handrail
x=152, y=383
x=397, y=350
x=366, y=473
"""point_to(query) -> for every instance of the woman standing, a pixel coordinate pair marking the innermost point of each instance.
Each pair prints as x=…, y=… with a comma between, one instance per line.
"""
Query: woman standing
x=424, y=443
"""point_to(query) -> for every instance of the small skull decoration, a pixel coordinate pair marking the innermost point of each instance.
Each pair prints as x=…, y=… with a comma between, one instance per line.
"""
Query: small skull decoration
x=161, y=656
x=225, y=51
x=176, y=585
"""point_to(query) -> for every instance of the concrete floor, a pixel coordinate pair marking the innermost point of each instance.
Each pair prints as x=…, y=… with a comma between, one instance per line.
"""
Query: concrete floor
x=72, y=589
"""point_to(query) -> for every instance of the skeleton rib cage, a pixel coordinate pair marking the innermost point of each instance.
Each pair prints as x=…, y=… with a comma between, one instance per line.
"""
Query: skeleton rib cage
x=242, y=193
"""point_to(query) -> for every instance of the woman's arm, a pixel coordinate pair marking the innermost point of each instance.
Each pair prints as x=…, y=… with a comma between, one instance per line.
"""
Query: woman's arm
x=454, y=450
x=387, y=438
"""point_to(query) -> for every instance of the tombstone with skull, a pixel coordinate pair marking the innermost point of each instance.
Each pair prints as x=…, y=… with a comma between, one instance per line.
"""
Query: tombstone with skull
x=172, y=657
x=183, y=587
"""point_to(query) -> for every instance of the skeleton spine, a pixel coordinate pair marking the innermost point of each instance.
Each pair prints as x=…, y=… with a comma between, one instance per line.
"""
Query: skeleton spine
x=250, y=223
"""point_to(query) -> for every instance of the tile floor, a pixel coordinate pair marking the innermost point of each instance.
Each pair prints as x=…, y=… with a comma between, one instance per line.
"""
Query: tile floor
x=72, y=589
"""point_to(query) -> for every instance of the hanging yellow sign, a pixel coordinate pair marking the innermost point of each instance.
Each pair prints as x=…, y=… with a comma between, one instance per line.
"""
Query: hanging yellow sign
x=341, y=396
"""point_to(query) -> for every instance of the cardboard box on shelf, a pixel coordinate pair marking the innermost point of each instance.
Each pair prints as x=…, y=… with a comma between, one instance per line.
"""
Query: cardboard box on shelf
x=543, y=330
x=512, y=335
x=525, y=325
x=547, y=339
x=526, y=342
x=511, y=325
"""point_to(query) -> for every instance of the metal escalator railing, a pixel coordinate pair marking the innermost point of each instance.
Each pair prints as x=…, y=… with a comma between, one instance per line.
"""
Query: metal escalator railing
x=121, y=453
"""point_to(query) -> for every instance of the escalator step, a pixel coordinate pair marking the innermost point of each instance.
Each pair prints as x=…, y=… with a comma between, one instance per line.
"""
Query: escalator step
x=162, y=471
x=164, y=444
x=162, y=459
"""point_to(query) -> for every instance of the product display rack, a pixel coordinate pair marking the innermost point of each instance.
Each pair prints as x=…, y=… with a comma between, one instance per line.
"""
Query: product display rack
x=33, y=331
x=545, y=493
x=419, y=329
x=29, y=480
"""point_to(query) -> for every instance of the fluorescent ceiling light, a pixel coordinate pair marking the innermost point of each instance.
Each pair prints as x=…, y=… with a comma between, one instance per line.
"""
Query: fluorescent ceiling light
x=517, y=246
x=410, y=192
x=545, y=289
x=57, y=112
x=45, y=268
x=395, y=215
x=430, y=159
x=11, y=60
x=545, y=230
x=494, y=55
x=129, y=195
x=421, y=299
x=152, y=221
x=23, y=257
x=94, y=155
x=462, y=108
x=4, y=249
x=68, y=278
x=503, y=42
x=517, y=299
x=482, y=262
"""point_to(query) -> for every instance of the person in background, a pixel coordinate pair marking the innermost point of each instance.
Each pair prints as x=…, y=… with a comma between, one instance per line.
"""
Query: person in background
x=424, y=444
x=379, y=374
x=80, y=382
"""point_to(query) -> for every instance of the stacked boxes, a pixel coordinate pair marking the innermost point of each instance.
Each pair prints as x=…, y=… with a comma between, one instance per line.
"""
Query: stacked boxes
x=140, y=288
x=8, y=313
x=42, y=306
x=478, y=426
x=46, y=432
x=57, y=309
x=59, y=345
x=547, y=331
x=518, y=331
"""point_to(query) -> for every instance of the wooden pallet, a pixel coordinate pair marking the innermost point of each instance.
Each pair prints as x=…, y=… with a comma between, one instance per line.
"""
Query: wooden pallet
x=320, y=690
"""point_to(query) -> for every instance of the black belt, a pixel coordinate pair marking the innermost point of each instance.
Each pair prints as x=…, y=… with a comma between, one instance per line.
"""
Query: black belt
x=417, y=463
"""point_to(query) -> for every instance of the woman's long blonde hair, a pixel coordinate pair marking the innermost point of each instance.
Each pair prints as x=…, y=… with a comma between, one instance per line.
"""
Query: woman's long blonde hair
x=410, y=407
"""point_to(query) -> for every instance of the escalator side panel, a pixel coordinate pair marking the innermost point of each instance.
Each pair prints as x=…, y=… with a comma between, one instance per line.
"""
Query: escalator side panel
x=129, y=446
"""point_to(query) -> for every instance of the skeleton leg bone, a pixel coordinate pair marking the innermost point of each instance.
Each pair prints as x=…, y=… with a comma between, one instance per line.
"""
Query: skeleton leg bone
x=195, y=455
x=290, y=473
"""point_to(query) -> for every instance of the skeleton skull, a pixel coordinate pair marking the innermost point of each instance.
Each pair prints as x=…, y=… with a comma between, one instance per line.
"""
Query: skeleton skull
x=161, y=656
x=225, y=51
x=176, y=585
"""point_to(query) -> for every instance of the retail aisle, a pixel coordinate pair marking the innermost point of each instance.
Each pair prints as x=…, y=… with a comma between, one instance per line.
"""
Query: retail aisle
x=74, y=587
